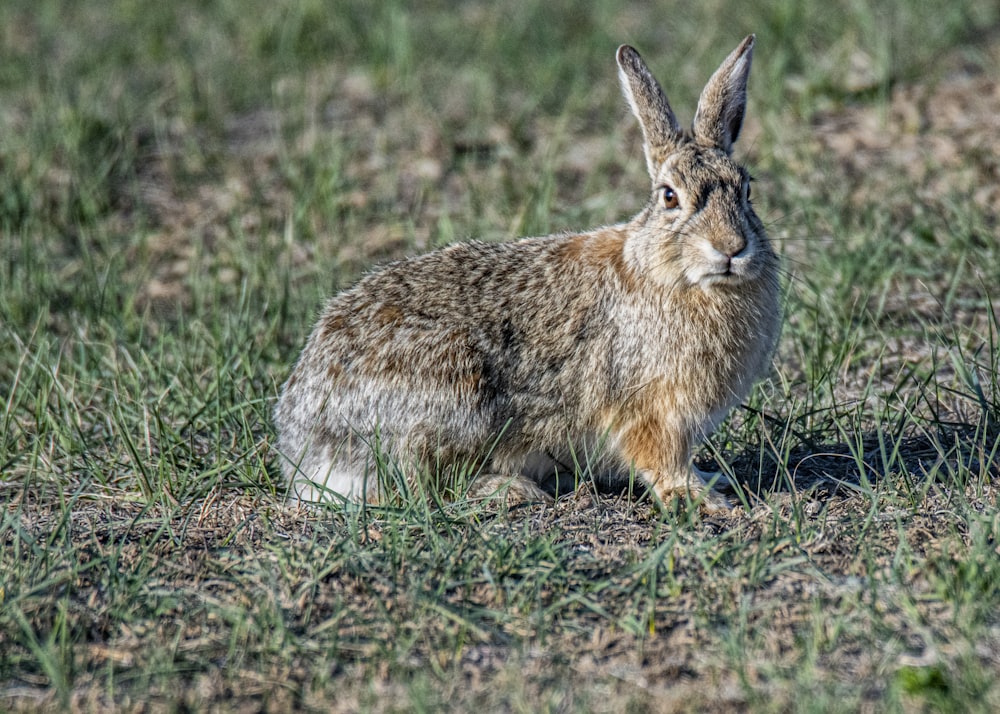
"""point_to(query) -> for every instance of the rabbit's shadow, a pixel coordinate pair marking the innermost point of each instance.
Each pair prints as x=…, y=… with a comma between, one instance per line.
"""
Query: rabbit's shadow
x=824, y=469
x=828, y=469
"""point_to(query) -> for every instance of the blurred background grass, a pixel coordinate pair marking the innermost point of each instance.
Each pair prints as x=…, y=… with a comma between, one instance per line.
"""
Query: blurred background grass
x=360, y=130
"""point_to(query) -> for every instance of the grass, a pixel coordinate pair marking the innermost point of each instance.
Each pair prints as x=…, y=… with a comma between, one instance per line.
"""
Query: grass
x=182, y=184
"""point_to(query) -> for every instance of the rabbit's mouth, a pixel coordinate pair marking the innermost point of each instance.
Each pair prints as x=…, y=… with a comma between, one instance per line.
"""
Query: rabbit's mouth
x=712, y=266
x=715, y=279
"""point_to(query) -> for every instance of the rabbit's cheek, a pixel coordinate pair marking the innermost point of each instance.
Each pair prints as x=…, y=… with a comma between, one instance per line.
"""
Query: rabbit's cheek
x=745, y=265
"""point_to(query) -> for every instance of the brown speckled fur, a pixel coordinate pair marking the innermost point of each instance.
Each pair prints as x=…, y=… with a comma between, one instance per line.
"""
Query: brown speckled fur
x=501, y=357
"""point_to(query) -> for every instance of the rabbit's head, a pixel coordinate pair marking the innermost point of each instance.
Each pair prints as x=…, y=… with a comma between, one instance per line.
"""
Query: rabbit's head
x=699, y=228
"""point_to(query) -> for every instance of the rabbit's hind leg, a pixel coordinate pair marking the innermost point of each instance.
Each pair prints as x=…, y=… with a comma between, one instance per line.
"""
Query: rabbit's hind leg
x=513, y=490
x=331, y=482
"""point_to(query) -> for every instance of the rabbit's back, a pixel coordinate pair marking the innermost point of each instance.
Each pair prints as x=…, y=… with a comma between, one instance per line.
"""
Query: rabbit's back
x=444, y=352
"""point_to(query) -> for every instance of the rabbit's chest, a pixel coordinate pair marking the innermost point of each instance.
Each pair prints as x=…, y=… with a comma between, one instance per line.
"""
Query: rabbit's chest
x=716, y=349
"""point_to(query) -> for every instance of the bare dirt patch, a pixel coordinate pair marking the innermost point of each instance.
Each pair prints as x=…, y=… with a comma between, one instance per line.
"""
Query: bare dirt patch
x=349, y=604
x=940, y=137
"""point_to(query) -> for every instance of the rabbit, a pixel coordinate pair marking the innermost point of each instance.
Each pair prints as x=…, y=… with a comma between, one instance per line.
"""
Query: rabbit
x=507, y=360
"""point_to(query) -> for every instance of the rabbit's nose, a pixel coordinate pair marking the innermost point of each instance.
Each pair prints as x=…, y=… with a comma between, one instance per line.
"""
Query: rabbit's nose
x=734, y=246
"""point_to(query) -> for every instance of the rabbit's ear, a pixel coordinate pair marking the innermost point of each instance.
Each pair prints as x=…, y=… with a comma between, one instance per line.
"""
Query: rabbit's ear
x=723, y=102
x=660, y=130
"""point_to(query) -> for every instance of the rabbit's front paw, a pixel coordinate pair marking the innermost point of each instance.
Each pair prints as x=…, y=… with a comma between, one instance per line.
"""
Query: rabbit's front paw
x=710, y=502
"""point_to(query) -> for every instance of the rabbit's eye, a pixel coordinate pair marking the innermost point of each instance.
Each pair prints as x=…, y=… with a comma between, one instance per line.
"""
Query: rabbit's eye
x=746, y=190
x=669, y=197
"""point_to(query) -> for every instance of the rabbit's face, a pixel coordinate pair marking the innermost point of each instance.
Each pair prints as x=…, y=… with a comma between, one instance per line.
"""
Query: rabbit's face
x=699, y=227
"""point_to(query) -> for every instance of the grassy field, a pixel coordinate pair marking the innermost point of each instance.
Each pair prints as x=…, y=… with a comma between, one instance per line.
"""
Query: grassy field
x=182, y=183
